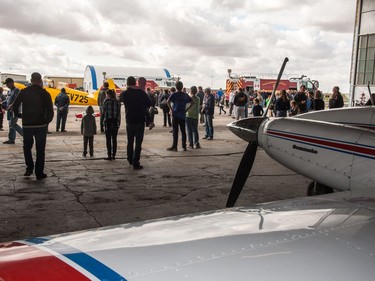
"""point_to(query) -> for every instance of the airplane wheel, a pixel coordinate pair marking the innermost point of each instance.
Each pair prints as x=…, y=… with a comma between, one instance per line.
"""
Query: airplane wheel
x=319, y=189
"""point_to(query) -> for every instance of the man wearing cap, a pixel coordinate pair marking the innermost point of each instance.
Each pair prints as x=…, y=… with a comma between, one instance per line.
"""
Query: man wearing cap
x=13, y=126
x=37, y=113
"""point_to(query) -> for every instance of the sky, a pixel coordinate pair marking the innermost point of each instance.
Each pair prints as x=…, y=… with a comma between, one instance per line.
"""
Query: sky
x=197, y=40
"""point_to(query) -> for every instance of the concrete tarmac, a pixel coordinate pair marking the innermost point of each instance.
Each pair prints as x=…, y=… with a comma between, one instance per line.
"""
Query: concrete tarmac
x=82, y=193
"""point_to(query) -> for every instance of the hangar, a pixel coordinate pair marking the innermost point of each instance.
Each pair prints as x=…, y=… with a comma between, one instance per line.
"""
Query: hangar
x=362, y=76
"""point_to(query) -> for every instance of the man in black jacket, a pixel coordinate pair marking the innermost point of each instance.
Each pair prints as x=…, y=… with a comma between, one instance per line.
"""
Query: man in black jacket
x=136, y=104
x=240, y=101
x=301, y=99
x=37, y=113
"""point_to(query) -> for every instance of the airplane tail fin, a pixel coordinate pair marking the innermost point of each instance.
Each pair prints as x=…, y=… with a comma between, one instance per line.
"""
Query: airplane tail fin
x=111, y=83
x=112, y=86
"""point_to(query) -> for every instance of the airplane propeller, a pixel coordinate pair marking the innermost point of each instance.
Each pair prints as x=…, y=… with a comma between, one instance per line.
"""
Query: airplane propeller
x=243, y=172
x=247, y=129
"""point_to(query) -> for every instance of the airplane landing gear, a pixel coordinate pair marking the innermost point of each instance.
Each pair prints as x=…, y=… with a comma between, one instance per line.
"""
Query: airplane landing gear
x=316, y=188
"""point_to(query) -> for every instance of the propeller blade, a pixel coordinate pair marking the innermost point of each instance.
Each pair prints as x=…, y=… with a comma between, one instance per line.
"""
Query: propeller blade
x=243, y=172
x=276, y=85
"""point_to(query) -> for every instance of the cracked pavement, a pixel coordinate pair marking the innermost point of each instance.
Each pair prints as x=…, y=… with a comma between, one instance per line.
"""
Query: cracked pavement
x=82, y=193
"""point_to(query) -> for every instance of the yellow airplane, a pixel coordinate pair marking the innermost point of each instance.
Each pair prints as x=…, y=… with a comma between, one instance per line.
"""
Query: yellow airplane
x=76, y=97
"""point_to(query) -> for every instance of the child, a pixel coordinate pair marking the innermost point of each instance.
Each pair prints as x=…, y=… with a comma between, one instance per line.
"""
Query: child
x=293, y=108
x=221, y=105
x=257, y=108
x=88, y=130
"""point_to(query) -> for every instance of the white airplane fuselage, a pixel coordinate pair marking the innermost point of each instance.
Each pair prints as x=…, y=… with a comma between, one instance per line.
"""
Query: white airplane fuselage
x=332, y=147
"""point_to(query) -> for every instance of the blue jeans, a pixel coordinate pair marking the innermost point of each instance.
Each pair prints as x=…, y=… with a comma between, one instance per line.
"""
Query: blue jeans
x=209, y=125
x=135, y=131
x=13, y=127
x=192, y=131
x=281, y=113
x=177, y=122
x=61, y=118
x=40, y=136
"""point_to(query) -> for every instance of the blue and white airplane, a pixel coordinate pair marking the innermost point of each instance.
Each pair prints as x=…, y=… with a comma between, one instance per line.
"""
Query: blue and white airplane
x=325, y=237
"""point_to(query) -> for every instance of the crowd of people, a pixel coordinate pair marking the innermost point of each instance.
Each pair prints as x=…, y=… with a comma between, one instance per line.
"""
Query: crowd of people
x=183, y=110
x=285, y=103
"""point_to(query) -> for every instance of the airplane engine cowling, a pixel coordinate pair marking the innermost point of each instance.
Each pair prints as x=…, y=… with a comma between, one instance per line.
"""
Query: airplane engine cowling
x=320, y=150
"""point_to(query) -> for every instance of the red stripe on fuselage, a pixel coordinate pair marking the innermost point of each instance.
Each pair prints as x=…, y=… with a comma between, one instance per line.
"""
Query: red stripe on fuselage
x=338, y=145
x=366, y=127
x=20, y=262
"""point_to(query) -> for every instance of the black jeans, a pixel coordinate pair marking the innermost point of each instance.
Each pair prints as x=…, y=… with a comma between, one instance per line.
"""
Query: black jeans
x=61, y=118
x=135, y=132
x=101, y=120
x=111, y=130
x=167, y=116
x=1, y=119
x=90, y=141
x=40, y=136
x=221, y=107
x=177, y=122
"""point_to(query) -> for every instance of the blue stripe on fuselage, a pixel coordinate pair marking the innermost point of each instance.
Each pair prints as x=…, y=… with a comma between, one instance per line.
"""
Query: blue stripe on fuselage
x=95, y=267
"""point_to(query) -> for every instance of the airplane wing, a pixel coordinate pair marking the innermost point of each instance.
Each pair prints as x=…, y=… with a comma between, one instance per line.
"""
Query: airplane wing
x=316, y=238
x=76, y=97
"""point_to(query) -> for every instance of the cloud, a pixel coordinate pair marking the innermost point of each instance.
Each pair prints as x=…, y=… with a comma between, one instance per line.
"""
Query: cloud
x=199, y=40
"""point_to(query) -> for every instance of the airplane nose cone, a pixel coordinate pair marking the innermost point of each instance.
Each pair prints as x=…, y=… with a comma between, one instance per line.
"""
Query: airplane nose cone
x=246, y=129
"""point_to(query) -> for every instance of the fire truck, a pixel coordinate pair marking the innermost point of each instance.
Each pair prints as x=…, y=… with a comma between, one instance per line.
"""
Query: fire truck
x=253, y=83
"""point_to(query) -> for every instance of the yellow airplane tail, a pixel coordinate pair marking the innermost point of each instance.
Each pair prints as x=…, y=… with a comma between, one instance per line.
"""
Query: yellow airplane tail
x=112, y=86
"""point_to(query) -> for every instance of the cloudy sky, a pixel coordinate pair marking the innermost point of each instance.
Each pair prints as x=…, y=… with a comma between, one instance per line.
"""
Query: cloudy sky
x=196, y=39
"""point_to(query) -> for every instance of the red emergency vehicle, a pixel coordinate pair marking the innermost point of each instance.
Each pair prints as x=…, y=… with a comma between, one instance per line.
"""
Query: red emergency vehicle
x=253, y=83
